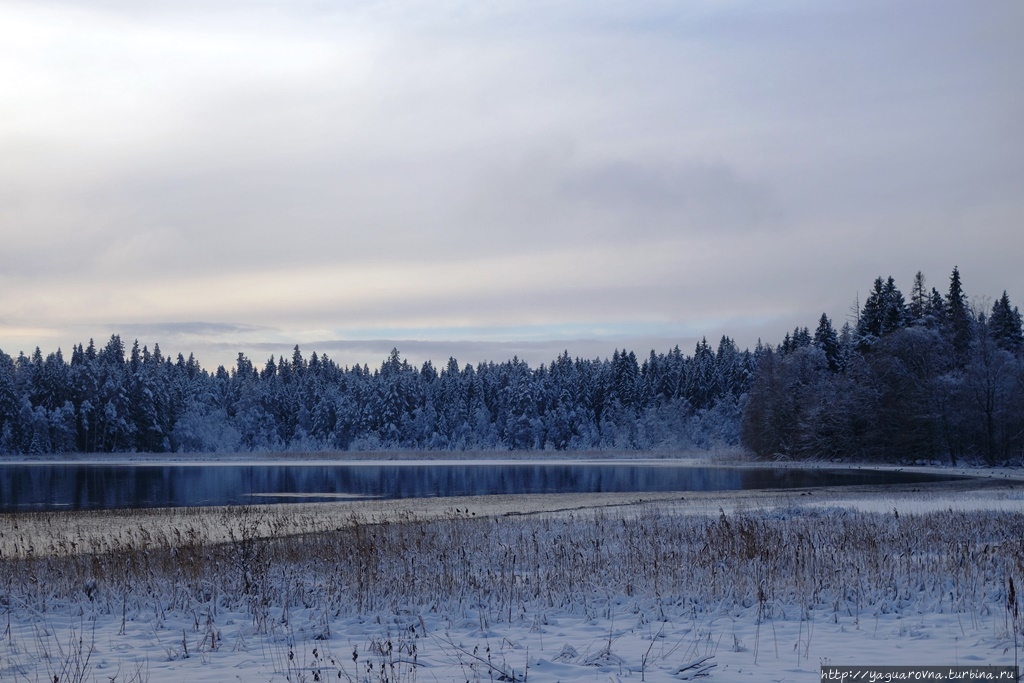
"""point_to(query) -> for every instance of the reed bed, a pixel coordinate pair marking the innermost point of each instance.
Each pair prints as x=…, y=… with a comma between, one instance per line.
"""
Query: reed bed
x=274, y=565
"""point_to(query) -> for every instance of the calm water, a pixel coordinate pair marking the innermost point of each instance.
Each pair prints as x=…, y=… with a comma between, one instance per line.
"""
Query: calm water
x=49, y=486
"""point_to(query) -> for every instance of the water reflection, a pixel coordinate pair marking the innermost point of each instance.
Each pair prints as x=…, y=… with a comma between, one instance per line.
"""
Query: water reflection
x=46, y=486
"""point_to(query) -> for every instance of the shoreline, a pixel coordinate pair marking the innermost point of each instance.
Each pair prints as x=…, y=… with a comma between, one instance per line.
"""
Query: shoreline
x=756, y=584
x=56, y=532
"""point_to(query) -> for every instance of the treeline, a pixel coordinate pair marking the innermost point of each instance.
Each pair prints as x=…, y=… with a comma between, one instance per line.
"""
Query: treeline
x=109, y=399
x=932, y=377
x=926, y=378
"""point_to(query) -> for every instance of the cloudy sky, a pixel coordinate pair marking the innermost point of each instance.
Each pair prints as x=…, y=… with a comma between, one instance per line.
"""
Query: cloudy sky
x=483, y=179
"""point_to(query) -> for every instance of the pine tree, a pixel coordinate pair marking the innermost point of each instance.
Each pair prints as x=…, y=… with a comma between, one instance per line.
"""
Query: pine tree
x=703, y=381
x=113, y=352
x=918, y=300
x=244, y=370
x=786, y=346
x=143, y=413
x=935, y=310
x=958, y=319
x=298, y=364
x=870, y=320
x=894, y=310
x=801, y=337
x=826, y=339
x=1004, y=325
x=269, y=369
x=135, y=359
x=9, y=405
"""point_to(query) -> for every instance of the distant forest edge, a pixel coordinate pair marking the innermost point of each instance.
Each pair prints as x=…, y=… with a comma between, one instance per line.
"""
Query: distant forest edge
x=933, y=378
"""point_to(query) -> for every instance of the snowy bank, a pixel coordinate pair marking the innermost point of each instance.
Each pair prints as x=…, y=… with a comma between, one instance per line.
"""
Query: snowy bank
x=739, y=586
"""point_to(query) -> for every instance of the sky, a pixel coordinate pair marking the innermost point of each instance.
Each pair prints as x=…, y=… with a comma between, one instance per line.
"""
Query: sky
x=490, y=179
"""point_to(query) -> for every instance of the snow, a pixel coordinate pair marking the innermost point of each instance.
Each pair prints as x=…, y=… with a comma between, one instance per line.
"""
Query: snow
x=623, y=644
x=600, y=587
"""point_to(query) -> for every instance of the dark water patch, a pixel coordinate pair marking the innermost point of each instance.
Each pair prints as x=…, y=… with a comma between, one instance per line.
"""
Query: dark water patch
x=55, y=486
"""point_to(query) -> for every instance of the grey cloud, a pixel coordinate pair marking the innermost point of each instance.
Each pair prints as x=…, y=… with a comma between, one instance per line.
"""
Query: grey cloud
x=553, y=196
x=783, y=154
x=698, y=197
x=193, y=329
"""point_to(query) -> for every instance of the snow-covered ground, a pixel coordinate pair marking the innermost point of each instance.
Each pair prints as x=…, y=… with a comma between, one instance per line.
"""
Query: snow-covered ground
x=755, y=586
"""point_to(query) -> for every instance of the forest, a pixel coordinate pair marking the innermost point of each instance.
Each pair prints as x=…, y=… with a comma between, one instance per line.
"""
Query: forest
x=935, y=377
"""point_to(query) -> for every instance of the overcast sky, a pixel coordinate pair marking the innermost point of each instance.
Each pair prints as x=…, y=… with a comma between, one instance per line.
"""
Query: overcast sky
x=484, y=179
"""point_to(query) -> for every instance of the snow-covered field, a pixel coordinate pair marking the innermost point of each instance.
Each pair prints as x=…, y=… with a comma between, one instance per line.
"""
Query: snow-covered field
x=737, y=586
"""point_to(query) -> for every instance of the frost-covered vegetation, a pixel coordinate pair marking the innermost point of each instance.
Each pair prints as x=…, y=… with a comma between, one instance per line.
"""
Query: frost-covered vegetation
x=102, y=401
x=381, y=601
x=932, y=378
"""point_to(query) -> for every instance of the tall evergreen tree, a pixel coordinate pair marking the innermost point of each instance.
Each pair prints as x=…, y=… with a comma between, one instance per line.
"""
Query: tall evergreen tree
x=825, y=338
x=958, y=319
x=870, y=321
x=1004, y=325
x=919, y=297
x=935, y=310
x=894, y=309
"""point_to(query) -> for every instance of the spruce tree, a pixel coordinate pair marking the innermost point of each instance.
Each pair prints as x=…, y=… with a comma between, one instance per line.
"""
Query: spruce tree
x=1005, y=325
x=958, y=319
x=869, y=323
x=935, y=310
x=918, y=300
x=894, y=310
x=826, y=339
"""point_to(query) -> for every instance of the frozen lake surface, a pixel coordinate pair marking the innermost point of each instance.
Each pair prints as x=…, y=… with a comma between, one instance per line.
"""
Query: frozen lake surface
x=91, y=486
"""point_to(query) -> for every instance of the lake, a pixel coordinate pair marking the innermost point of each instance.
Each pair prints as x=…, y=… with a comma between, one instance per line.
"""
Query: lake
x=82, y=486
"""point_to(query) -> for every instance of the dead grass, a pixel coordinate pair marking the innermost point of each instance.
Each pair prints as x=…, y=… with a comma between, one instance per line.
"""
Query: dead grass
x=503, y=569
